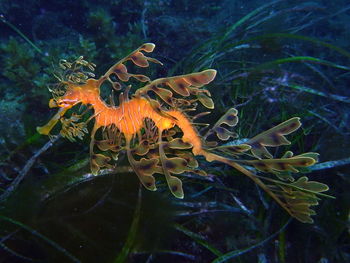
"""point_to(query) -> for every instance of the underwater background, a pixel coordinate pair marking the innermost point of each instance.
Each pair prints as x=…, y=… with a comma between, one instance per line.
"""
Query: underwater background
x=275, y=60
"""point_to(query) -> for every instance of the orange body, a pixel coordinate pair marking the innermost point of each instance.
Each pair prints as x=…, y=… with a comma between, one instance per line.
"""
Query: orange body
x=129, y=116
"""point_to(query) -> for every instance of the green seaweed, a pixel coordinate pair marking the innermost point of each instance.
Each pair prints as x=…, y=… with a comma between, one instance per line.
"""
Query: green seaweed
x=39, y=235
x=131, y=239
x=235, y=253
x=199, y=239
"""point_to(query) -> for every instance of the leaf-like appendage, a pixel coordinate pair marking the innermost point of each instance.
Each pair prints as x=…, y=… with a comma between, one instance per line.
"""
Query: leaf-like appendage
x=232, y=149
x=94, y=167
x=199, y=172
x=312, y=155
x=180, y=86
x=141, y=78
x=148, y=47
x=299, y=196
x=183, y=85
x=121, y=71
x=301, y=211
x=99, y=161
x=296, y=197
x=273, y=137
x=138, y=58
x=145, y=168
x=230, y=118
x=224, y=134
x=71, y=128
x=286, y=164
x=108, y=145
x=175, y=186
x=178, y=143
x=199, y=79
x=148, y=181
x=287, y=154
x=312, y=186
x=142, y=148
x=110, y=141
x=164, y=94
x=205, y=100
x=175, y=165
x=285, y=176
x=189, y=157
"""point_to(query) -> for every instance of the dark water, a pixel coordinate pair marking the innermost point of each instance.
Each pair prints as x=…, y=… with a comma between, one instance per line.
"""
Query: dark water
x=274, y=60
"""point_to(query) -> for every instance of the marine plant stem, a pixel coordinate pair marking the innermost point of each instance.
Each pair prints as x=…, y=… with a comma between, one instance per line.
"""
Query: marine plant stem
x=14, y=28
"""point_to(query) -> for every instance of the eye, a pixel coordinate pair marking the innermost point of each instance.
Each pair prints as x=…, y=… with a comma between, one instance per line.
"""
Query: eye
x=60, y=103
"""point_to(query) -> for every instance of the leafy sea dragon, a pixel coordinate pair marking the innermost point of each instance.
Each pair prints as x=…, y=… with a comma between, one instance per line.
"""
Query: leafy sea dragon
x=159, y=135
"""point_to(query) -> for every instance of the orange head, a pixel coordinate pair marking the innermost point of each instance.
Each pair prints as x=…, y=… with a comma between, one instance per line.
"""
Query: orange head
x=76, y=93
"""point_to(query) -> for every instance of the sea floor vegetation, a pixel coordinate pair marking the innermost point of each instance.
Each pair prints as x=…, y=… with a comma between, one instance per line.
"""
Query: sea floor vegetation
x=275, y=60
